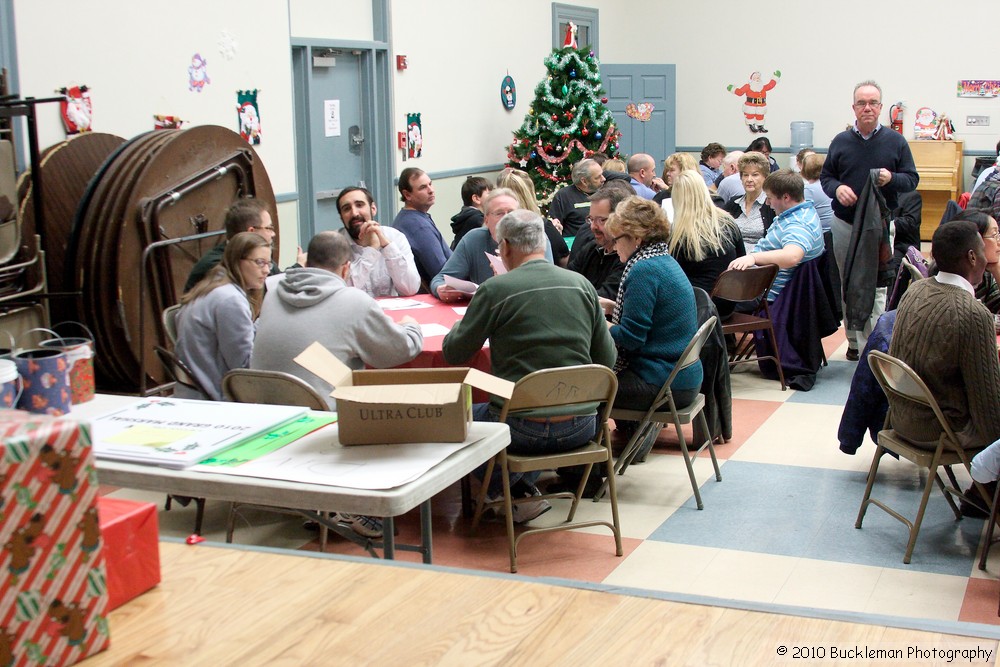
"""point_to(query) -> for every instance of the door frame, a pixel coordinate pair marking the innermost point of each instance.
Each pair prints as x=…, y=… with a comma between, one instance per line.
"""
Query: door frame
x=376, y=113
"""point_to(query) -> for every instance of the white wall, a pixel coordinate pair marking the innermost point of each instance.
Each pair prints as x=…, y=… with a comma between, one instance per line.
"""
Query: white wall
x=917, y=51
x=134, y=56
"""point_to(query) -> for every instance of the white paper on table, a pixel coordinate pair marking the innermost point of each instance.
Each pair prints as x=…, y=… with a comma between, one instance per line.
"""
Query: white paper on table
x=433, y=329
x=463, y=286
x=498, y=268
x=324, y=461
x=402, y=304
x=460, y=310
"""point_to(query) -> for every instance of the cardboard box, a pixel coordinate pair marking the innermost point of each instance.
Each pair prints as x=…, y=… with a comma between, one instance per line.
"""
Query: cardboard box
x=131, y=548
x=401, y=405
x=53, y=603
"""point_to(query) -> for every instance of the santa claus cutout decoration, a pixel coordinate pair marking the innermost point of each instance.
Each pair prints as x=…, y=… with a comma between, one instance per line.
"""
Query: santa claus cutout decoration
x=76, y=109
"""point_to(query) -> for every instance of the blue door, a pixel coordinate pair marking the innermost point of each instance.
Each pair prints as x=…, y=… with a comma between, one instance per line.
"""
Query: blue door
x=638, y=85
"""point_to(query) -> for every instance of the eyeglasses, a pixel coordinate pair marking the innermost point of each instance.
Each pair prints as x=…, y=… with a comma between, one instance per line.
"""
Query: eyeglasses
x=994, y=236
x=267, y=229
x=615, y=239
x=592, y=219
x=861, y=105
x=261, y=263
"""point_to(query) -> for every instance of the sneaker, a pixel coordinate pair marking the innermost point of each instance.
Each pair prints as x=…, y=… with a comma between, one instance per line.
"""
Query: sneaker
x=532, y=509
x=363, y=525
x=853, y=354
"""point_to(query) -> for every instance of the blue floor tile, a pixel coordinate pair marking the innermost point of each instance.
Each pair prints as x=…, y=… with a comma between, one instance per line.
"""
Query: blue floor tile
x=833, y=384
x=810, y=513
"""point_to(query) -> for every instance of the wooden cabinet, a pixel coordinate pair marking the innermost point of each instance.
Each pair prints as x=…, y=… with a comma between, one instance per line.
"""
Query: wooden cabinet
x=939, y=164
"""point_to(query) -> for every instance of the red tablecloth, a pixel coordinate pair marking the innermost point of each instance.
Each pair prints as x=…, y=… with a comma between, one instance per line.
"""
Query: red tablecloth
x=432, y=356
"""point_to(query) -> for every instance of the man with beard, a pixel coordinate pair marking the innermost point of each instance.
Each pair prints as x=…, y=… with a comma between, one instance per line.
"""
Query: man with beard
x=381, y=260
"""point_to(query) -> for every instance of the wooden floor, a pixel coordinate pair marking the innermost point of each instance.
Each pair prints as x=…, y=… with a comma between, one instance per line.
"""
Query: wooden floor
x=224, y=606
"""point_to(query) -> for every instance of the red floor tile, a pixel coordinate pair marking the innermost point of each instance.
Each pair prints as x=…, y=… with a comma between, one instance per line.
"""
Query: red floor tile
x=834, y=341
x=748, y=416
x=981, y=600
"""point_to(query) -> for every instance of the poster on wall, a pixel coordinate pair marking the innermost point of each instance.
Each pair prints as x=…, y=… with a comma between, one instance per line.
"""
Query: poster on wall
x=331, y=118
x=248, y=115
x=508, y=92
x=76, y=109
x=755, y=103
x=198, y=74
x=978, y=88
x=414, y=135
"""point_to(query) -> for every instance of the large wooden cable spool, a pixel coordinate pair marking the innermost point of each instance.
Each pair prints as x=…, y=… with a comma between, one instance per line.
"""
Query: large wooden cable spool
x=66, y=170
x=160, y=186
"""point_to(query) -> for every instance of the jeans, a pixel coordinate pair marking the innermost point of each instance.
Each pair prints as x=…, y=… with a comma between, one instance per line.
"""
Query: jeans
x=533, y=437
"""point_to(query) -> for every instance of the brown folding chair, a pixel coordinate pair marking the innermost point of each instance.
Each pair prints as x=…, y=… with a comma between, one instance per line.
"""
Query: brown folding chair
x=169, y=319
x=244, y=385
x=567, y=388
x=748, y=285
x=664, y=410
x=901, y=383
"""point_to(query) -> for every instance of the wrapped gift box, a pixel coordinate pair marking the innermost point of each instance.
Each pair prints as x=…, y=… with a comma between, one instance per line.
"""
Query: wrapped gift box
x=131, y=548
x=53, y=601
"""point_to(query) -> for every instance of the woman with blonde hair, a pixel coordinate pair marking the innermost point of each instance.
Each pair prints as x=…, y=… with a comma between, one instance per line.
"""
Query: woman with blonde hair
x=215, y=326
x=520, y=183
x=672, y=168
x=704, y=239
x=655, y=316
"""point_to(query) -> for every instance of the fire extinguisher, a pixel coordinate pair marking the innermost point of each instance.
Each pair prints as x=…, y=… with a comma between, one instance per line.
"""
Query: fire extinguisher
x=896, y=116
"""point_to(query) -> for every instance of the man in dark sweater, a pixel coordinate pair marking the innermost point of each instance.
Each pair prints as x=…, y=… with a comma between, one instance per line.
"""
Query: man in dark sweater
x=947, y=336
x=593, y=255
x=853, y=154
x=471, y=215
x=570, y=204
x=245, y=215
x=429, y=249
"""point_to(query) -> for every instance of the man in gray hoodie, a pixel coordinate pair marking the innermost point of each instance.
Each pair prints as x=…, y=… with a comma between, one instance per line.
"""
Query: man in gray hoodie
x=315, y=303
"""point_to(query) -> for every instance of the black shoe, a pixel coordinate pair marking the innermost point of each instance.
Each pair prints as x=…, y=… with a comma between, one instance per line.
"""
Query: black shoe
x=853, y=354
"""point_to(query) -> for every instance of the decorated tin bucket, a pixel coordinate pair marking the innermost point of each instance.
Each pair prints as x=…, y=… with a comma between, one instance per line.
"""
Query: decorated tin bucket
x=10, y=384
x=45, y=377
x=80, y=355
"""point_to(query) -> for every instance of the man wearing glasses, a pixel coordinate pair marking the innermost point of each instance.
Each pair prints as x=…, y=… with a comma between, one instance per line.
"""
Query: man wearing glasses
x=853, y=154
x=593, y=255
x=245, y=215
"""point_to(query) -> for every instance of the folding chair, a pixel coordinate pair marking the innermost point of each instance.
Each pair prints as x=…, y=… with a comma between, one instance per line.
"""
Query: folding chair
x=244, y=385
x=179, y=373
x=748, y=285
x=900, y=382
x=169, y=318
x=578, y=387
x=664, y=410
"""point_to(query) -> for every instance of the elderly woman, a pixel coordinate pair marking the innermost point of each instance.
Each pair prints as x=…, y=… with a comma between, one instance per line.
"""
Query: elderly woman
x=654, y=317
x=215, y=326
x=704, y=239
x=750, y=210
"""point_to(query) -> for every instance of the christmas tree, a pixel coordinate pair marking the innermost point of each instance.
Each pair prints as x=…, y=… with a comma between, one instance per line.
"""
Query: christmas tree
x=568, y=120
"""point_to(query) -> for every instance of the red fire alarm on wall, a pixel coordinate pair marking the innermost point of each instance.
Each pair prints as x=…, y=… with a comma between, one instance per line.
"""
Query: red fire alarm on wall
x=401, y=140
x=400, y=62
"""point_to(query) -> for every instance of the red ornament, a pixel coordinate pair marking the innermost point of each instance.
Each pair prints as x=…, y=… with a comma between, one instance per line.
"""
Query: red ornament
x=584, y=131
x=548, y=147
x=565, y=137
x=555, y=117
x=604, y=100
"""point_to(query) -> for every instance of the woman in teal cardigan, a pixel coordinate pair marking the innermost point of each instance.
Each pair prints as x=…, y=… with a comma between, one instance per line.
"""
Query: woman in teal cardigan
x=654, y=316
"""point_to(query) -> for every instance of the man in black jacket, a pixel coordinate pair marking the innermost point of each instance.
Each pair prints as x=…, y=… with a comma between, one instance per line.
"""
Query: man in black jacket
x=593, y=255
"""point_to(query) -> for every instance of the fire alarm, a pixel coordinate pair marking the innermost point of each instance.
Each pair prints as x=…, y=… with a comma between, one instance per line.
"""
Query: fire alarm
x=401, y=139
x=400, y=62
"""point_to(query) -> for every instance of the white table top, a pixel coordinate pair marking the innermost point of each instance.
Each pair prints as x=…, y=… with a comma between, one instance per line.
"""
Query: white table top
x=484, y=440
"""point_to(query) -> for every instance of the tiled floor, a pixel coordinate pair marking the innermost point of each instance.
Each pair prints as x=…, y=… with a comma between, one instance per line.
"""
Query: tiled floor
x=778, y=530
